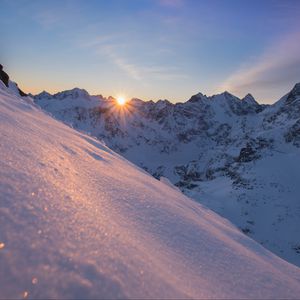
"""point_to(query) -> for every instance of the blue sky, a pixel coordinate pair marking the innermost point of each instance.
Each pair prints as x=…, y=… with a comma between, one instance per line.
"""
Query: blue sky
x=153, y=49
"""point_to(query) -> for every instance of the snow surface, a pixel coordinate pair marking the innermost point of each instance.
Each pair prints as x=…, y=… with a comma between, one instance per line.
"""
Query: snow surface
x=79, y=221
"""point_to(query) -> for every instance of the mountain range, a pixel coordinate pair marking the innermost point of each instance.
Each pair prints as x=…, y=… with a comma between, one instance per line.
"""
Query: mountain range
x=80, y=221
x=238, y=157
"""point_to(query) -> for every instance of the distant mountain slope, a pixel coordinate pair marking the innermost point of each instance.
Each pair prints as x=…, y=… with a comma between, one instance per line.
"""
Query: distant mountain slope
x=238, y=157
x=79, y=221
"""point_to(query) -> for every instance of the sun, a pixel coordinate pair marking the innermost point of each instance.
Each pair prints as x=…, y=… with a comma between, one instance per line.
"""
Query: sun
x=121, y=101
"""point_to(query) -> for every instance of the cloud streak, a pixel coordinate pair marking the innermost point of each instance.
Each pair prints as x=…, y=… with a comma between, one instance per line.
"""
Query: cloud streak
x=278, y=67
x=141, y=73
x=130, y=69
x=108, y=46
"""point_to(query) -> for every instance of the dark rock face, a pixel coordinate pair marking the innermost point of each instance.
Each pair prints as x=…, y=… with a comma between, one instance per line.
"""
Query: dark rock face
x=5, y=79
x=159, y=172
x=22, y=93
x=3, y=76
x=247, y=154
x=196, y=98
x=294, y=94
x=293, y=135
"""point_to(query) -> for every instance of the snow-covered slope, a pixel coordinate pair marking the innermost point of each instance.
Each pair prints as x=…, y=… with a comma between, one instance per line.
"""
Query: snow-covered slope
x=79, y=221
x=238, y=157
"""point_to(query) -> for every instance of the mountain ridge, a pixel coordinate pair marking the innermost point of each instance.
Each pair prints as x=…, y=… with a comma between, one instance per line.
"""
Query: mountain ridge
x=201, y=141
x=214, y=152
x=78, y=221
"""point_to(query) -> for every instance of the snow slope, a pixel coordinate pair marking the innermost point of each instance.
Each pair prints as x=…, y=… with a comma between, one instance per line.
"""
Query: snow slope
x=79, y=221
x=234, y=155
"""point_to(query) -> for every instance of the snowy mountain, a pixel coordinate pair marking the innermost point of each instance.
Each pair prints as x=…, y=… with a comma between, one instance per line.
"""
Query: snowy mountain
x=80, y=221
x=234, y=155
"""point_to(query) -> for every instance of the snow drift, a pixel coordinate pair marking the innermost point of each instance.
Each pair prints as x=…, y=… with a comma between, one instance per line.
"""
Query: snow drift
x=79, y=221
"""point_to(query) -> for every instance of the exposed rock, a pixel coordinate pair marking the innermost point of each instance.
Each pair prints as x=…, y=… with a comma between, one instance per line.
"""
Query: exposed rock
x=5, y=79
x=294, y=94
x=3, y=76
x=247, y=154
x=293, y=135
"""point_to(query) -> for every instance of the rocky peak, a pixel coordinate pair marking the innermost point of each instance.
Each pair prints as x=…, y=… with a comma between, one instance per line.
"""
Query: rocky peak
x=249, y=99
x=73, y=93
x=3, y=76
x=294, y=94
x=160, y=104
x=43, y=95
x=136, y=102
x=197, y=98
x=228, y=95
x=250, y=105
x=111, y=98
x=10, y=84
x=224, y=97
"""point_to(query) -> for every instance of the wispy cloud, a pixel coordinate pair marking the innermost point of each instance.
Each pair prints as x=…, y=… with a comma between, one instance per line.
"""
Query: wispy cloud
x=145, y=72
x=98, y=41
x=130, y=69
x=164, y=73
x=278, y=66
x=111, y=46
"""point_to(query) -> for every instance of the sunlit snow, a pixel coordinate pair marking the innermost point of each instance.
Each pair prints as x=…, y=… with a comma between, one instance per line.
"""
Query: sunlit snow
x=79, y=221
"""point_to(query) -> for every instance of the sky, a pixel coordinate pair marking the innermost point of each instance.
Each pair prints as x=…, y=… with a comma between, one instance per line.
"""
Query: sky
x=153, y=49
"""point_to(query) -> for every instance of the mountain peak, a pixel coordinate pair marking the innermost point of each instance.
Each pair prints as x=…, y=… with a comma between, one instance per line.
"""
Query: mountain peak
x=249, y=99
x=73, y=93
x=225, y=96
x=43, y=94
x=3, y=76
x=197, y=97
x=248, y=96
x=294, y=94
x=228, y=95
x=297, y=86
